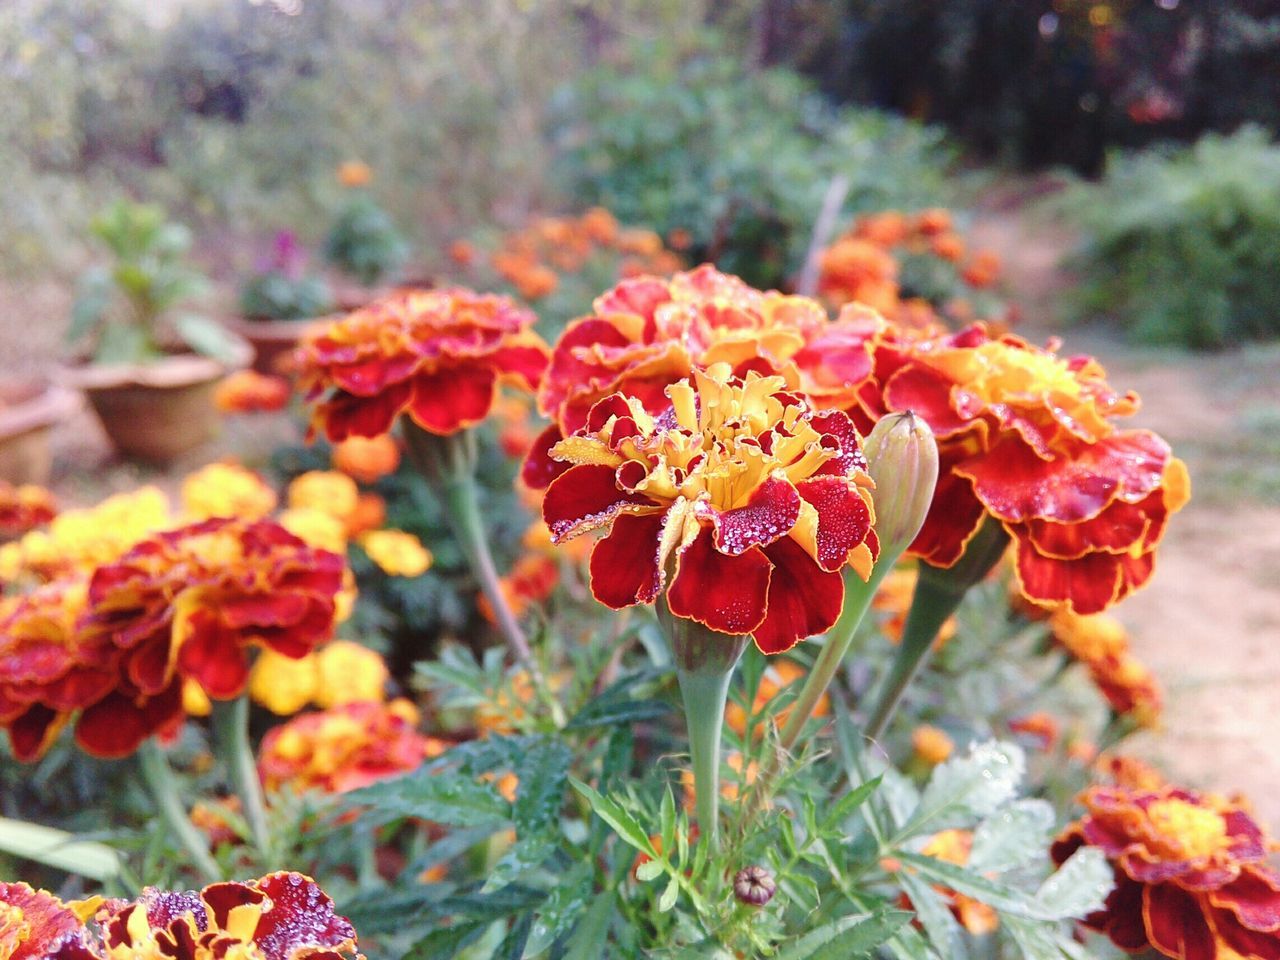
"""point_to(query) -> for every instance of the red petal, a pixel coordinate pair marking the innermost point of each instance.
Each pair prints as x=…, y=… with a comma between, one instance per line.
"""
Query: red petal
x=725, y=593
x=769, y=514
x=539, y=469
x=452, y=398
x=30, y=733
x=525, y=364
x=273, y=610
x=213, y=656
x=1089, y=585
x=346, y=415
x=843, y=517
x=1121, y=919
x=116, y=725
x=838, y=425
x=954, y=517
x=301, y=920
x=1253, y=899
x=1175, y=923
x=1115, y=530
x=1017, y=485
x=624, y=565
x=926, y=393
x=587, y=497
x=803, y=598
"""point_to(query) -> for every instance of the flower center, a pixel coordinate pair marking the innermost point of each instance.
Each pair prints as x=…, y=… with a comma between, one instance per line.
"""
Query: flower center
x=1192, y=831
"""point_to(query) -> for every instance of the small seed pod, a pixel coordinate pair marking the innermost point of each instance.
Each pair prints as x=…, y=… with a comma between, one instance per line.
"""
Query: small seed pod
x=754, y=886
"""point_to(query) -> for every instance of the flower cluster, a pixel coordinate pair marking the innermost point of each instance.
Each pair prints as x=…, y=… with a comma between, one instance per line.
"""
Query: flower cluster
x=1191, y=872
x=647, y=333
x=340, y=672
x=36, y=925
x=226, y=490
x=754, y=499
x=915, y=269
x=435, y=355
x=184, y=605
x=345, y=747
x=23, y=508
x=1102, y=645
x=1030, y=439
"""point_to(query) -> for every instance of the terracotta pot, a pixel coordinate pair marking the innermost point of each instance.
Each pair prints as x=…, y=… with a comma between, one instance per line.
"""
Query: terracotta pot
x=274, y=341
x=158, y=411
x=29, y=409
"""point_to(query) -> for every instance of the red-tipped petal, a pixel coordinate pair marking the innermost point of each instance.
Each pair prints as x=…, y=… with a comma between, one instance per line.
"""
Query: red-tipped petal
x=844, y=519
x=346, y=415
x=1089, y=584
x=768, y=515
x=1176, y=924
x=587, y=497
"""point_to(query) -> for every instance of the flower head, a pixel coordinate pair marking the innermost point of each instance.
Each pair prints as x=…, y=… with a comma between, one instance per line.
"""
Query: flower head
x=1030, y=438
x=1101, y=644
x=397, y=553
x=344, y=747
x=930, y=744
x=36, y=925
x=247, y=391
x=226, y=490
x=435, y=355
x=338, y=673
x=367, y=459
x=354, y=173
x=282, y=916
x=24, y=507
x=1191, y=872
x=754, y=500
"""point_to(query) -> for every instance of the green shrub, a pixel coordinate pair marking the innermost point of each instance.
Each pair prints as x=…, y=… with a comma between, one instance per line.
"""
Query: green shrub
x=684, y=136
x=1181, y=246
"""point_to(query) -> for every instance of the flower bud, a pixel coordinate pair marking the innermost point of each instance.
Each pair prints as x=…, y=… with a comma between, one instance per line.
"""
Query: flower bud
x=754, y=886
x=902, y=459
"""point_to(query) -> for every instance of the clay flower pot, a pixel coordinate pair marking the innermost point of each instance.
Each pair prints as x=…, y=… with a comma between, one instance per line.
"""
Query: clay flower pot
x=157, y=412
x=29, y=409
x=274, y=341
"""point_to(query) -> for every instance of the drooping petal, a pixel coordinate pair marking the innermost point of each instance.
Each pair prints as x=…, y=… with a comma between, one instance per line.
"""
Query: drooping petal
x=1089, y=584
x=727, y=594
x=803, y=599
x=451, y=398
x=769, y=515
x=539, y=468
x=1176, y=924
x=840, y=521
x=347, y=415
x=586, y=498
x=624, y=565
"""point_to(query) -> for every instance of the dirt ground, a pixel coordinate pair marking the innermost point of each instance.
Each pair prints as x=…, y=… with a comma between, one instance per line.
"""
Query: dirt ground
x=1209, y=622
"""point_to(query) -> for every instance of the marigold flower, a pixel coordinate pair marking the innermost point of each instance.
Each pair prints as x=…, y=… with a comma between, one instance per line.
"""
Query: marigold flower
x=853, y=270
x=282, y=916
x=755, y=500
x=316, y=529
x=931, y=745
x=226, y=490
x=24, y=507
x=954, y=847
x=463, y=253
x=214, y=820
x=1039, y=726
x=600, y=226
x=1191, y=871
x=532, y=580
x=779, y=675
x=187, y=604
x=36, y=925
x=982, y=270
x=886, y=229
x=367, y=459
x=349, y=672
x=370, y=514
x=343, y=748
x=648, y=333
x=1029, y=438
x=947, y=246
x=328, y=491
x=933, y=221
x=354, y=173
x=247, y=391
x=1130, y=773
x=1101, y=643
x=397, y=553
x=436, y=355
x=284, y=685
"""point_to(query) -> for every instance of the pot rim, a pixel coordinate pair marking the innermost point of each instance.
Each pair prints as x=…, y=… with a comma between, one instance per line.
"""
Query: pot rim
x=52, y=403
x=176, y=370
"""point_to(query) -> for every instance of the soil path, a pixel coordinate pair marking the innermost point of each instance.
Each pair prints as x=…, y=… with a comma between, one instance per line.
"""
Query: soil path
x=1208, y=623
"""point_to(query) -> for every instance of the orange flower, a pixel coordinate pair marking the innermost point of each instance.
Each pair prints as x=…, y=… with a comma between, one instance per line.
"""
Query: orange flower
x=24, y=508
x=532, y=580
x=247, y=391
x=679, y=239
x=647, y=333
x=188, y=604
x=36, y=925
x=1130, y=773
x=954, y=847
x=536, y=282
x=933, y=221
x=886, y=229
x=370, y=514
x=326, y=491
x=759, y=501
x=435, y=355
x=354, y=173
x=462, y=252
x=1102, y=645
x=947, y=246
x=397, y=553
x=1191, y=871
x=983, y=270
x=1030, y=439
x=854, y=270
x=931, y=745
x=282, y=916
x=600, y=226
x=367, y=459
x=1039, y=726
x=343, y=748
x=778, y=676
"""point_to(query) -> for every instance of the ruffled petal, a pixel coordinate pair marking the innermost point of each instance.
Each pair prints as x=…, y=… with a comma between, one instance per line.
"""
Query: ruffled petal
x=346, y=415
x=768, y=515
x=1089, y=584
x=452, y=398
x=624, y=565
x=727, y=594
x=803, y=599
x=842, y=520
x=586, y=498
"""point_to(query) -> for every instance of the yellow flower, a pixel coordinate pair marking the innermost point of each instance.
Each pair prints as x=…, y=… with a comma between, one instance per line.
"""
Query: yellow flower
x=349, y=672
x=282, y=684
x=329, y=491
x=226, y=490
x=931, y=745
x=316, y=528
x=398, y=553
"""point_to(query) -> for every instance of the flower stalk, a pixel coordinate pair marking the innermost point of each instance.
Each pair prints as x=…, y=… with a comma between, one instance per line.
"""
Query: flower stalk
x=158, y=776
x=705, y=660
x=231, y=739
x=938, y=593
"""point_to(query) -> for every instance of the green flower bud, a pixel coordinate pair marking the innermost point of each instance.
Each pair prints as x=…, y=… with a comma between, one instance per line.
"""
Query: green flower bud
x=902, y=459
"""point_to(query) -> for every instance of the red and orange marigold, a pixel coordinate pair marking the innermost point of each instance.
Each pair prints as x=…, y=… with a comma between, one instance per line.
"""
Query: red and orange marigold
x=36, y=925
x=435, y=355
x=752, y=500
x=282, y=916
x=1191, y=872
x=1030, y=438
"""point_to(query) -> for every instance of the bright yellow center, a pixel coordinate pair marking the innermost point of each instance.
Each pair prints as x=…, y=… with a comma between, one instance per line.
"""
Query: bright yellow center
x=1192, y=831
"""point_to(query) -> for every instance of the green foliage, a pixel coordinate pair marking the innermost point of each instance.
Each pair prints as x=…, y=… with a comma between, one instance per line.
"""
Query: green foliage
x=681, y=135
x=1181, y=245
x=274, y=295
x=126, y=309
x=365, y=242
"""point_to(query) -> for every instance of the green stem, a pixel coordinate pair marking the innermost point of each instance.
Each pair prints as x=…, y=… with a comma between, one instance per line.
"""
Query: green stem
x=231, y=739
x=164, y=790
x=937, y=596
x=858, y=595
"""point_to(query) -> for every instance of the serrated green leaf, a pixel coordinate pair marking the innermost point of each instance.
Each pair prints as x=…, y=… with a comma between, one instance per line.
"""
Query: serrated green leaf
x=983, y=889
x=542, y=772
x=1078, y=887
x=611, y=812
x=616, y=705
x=934, y=915
x=445, y=944
x=849, y=803
x=968, y=787
x=1012, y=836
x=562, y=908
x=848, y=938
x=1041, y=941
x=448, y=799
